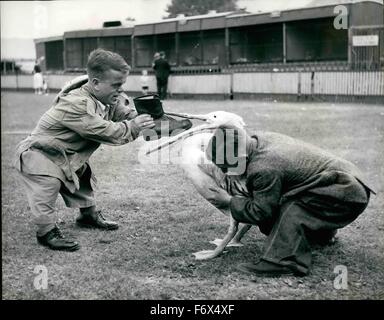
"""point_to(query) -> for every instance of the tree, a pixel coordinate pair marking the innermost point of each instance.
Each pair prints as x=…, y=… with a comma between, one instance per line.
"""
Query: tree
x=197, y=7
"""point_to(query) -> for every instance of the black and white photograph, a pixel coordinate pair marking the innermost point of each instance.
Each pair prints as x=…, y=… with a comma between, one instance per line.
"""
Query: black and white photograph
x=216, y=152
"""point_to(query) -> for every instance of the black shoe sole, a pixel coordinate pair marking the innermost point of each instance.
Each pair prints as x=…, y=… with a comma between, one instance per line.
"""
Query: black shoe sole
x=90, y=226
x=276, y=274
x=70, y=249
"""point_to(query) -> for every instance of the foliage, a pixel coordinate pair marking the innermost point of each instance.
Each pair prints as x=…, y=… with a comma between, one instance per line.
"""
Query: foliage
x=197, y=7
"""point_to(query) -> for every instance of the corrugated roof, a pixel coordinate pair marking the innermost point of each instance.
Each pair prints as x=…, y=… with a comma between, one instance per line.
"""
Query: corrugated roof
x=252, y=8
x=320, y=3
x=202, y=16
x=298, y=4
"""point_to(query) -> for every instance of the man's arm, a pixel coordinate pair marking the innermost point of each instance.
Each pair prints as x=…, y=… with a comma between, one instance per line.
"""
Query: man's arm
x=86, y=122
x=266, y=190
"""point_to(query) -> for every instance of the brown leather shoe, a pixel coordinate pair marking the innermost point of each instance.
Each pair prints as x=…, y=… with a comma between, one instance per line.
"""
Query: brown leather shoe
x=55, y=240
x=266, y=269
x=95, y=220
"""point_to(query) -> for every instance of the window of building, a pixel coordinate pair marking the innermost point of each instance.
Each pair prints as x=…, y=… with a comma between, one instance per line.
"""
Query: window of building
x=144, y=50
x=190, y=48
x=213, y=47
x=256, y=44
x=54, y=55
x=167, y=43
x=315, y=40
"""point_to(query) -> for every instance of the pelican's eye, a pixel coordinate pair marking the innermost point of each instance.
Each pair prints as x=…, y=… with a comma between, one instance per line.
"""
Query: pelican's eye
x=214, y=116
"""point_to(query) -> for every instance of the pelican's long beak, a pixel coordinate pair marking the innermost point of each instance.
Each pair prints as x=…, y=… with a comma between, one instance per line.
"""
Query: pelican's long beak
x=188, y=116
x=182, y=136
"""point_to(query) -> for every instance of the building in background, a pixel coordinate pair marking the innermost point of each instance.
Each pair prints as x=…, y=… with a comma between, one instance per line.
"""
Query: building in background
x=331, y=49
x=233, y=39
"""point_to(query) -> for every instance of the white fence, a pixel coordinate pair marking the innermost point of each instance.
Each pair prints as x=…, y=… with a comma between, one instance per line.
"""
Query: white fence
x=368, y=83
x=265, y=82
x=346, y=83
x=200, y=84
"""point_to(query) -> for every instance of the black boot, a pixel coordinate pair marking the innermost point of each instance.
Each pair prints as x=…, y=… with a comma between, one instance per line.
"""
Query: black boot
x=55, y=240
x=95, y=219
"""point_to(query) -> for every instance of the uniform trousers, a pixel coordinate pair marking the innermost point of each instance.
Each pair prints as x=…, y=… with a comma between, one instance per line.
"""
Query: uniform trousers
x=42, y=193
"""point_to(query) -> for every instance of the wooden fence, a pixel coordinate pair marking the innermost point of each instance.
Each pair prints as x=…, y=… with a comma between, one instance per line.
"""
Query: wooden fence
x=332, y=83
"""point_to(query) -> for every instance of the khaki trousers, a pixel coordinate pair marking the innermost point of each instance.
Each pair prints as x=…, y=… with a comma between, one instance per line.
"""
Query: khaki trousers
x=42, y=193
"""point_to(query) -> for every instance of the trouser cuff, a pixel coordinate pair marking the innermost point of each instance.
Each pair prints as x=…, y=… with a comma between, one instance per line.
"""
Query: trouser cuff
x=44, y=229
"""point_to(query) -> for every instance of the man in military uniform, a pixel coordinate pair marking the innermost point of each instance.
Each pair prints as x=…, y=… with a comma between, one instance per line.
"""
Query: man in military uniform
x=53, y=159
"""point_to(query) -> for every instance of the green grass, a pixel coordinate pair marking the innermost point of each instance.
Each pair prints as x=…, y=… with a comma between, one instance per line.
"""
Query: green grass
x=163, y=220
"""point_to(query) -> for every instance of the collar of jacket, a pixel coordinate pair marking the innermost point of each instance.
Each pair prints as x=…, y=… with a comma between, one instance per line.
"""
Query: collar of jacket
x=102, y=106
x=87, y=88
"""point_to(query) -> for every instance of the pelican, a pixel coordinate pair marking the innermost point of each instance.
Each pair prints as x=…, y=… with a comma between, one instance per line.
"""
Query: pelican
x=193, y=143
x=213, y=121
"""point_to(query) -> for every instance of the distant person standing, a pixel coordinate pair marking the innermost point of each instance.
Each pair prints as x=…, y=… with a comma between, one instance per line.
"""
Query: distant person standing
x=162, y=71
x=45, y=86
x=37, y=79
x=156, y=56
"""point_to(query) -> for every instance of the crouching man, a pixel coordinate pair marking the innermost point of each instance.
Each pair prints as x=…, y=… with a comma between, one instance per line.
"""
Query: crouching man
x=53, y=159
x=297, y=194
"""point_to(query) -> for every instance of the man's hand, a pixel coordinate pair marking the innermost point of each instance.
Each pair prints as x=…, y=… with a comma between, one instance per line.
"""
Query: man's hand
x=144, y=121
x=219, y=198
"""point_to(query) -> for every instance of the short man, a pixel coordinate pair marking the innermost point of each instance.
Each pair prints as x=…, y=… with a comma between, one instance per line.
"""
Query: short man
x=53, y=159
x=162, y=71
x=297, y=194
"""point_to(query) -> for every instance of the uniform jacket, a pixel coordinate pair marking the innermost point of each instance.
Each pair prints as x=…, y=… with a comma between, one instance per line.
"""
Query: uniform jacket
x=162, y=68
x=70, y=131
x=280, y=167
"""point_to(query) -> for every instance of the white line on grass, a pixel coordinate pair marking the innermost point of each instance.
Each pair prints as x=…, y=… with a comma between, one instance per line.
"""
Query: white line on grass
x=15, y=132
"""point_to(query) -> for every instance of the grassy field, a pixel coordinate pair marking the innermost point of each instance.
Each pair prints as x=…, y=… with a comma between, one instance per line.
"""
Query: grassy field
x=163, y=220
